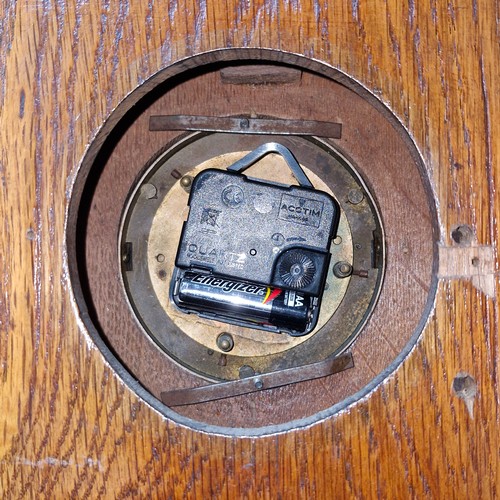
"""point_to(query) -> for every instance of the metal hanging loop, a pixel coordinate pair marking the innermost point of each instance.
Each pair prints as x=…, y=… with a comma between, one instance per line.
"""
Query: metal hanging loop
x=272, y=147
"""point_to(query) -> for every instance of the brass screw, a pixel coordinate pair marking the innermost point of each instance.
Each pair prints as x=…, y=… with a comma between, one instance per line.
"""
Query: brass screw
x=225, y=342
x=355, y=196
x=342, y=269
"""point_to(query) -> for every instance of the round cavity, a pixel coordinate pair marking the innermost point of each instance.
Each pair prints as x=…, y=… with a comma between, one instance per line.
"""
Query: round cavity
x=387, y=176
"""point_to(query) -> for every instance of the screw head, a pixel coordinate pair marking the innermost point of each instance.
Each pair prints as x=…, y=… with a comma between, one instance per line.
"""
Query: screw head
x=186, y=181
x=342, y=269
x=246, y=371
x=355, y=196
x=149, y=191
x=225, y=342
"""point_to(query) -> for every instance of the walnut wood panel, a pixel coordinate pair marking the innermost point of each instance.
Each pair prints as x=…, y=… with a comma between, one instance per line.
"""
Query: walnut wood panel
x=69, y=425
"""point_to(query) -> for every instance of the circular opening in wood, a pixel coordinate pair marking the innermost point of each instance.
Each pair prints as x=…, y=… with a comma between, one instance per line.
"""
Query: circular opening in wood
x=388, y=178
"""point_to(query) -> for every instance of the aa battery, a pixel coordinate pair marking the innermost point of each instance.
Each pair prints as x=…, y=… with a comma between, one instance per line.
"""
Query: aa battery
x=258, y=304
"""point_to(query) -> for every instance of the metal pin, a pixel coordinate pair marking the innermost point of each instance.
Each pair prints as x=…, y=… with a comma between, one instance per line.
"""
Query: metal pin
x=362, y=273
x=186, y=182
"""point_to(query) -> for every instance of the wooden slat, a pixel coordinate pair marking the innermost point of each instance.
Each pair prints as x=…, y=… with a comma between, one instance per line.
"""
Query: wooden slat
x=259, y=74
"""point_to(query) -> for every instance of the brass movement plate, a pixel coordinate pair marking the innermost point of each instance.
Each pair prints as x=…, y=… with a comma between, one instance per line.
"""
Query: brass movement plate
x=150, y=232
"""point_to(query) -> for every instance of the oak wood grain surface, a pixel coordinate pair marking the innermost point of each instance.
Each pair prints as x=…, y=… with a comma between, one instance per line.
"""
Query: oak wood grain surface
x=70, y=427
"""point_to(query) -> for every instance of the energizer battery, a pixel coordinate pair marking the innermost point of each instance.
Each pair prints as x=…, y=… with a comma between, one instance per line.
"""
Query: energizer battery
x=241, y=302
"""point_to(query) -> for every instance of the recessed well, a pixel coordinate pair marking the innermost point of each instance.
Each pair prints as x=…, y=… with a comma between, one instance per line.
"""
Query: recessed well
x=384, y=166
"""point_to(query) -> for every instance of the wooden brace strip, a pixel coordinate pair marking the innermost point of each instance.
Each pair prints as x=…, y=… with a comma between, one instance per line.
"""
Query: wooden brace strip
x=477, y=263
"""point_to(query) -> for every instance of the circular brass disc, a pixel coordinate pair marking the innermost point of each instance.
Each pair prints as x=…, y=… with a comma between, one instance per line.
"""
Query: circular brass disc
x=150, y=232
x=162, y=248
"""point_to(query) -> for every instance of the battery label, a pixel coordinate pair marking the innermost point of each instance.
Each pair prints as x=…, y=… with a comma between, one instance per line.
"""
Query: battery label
x=271, y=294
x=229, y=286
x=294, y=299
